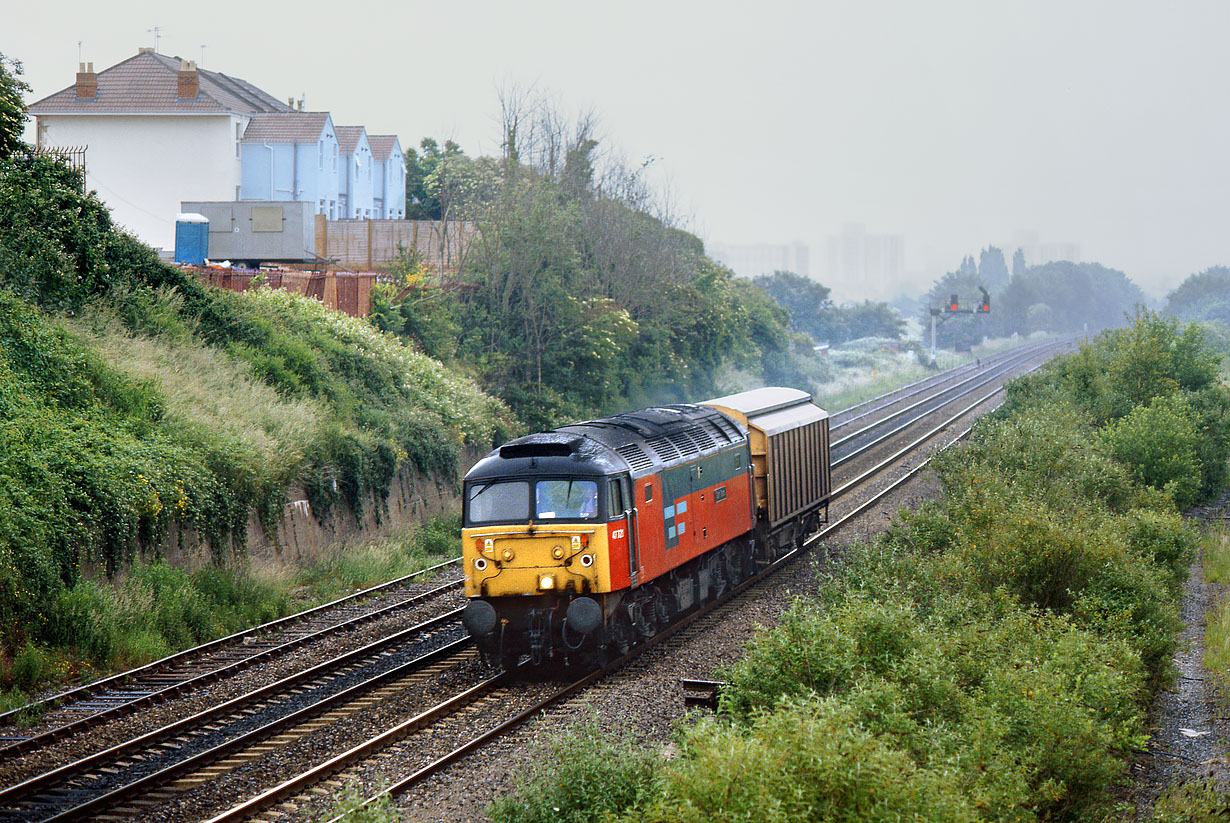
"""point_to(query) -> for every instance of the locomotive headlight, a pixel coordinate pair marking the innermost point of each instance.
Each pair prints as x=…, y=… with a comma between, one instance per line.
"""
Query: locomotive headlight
x=558, y=552
x=546, y=582
x=587, y=560
x=480, y=563
x=507, y=554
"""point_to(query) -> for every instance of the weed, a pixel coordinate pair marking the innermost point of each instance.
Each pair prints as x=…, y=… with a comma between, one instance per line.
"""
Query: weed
x=584, y=774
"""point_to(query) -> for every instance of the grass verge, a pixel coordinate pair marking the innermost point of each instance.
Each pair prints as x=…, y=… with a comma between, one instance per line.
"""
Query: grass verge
x=96, y=628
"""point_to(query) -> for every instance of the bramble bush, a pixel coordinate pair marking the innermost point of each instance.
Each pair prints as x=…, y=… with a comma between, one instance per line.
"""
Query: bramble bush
x=992, y=656
x=101, y=466
x=606, y=773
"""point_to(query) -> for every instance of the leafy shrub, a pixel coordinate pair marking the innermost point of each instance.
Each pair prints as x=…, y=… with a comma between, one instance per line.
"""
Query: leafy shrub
x=586, y=774
x=1195, y=802
x=1160, y=443
x=808, y=760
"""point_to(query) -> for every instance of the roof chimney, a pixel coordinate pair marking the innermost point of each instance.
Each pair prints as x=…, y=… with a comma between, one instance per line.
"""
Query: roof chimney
x=87, y=82
x=188, y=81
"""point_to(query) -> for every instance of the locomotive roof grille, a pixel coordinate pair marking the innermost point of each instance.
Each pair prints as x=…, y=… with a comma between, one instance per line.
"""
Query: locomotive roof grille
x=635, y=455
x=684, y=443
x=664, y=448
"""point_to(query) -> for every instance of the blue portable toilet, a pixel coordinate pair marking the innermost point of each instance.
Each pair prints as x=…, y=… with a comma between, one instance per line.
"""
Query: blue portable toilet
x=191, y=238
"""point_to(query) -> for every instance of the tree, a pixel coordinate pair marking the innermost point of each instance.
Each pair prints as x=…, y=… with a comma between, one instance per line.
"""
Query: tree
x=1078, y=294
x=12, y=108
x=992, y=269
x=1018, y=262
x=1202, y=297
x=806, y=301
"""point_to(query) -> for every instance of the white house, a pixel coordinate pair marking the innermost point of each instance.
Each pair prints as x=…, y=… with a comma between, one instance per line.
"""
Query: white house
x=388, y=176
x=159, y=131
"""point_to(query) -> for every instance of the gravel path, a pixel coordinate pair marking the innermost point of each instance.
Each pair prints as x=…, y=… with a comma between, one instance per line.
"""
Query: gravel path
x=1189, y=735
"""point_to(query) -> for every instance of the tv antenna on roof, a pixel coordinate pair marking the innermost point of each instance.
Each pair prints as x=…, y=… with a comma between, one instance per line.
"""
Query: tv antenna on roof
x=202, y=54
x=157, y=32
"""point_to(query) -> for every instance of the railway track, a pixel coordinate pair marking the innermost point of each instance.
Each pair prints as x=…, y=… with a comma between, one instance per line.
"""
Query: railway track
x=112, y=697
x=131, y=778
x=419, y=758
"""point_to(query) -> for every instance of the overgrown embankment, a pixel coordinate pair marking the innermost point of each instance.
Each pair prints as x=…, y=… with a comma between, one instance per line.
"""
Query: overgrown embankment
x=992, y=657
x=136, y=402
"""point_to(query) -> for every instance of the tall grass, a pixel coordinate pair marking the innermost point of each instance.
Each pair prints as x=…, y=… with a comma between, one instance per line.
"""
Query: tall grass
x=1216, y=561
x=204, y=387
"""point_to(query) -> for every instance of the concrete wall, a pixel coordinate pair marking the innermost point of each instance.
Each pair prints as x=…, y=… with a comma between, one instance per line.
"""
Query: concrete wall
x=143, y=166
x=302, y=540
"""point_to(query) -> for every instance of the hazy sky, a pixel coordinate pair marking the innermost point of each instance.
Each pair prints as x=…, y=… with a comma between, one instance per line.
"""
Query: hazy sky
x=954, y=124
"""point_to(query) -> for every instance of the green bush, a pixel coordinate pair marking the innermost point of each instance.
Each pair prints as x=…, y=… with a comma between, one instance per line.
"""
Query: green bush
x=584, y=775
x=808, y=760
x=1196, y=802
x=101, y=467
x=1161, y=444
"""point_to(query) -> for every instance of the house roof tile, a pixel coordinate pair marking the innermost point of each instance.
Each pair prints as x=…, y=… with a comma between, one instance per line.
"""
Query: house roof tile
x=147, y=82
x=348, y=138
x=286, y=127
x=382, y=145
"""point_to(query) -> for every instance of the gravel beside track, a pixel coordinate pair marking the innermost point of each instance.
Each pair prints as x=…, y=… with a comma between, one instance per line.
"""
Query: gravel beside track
x=1193, y=703
x=128, y=727
x=646, y=695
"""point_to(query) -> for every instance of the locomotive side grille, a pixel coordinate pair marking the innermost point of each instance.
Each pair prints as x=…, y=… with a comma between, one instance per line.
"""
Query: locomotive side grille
x=663, y=448
x=635, y=455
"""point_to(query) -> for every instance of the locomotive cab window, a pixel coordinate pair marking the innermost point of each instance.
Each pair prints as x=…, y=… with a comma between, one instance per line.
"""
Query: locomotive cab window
x=615, y=499
x=497, y=501
x=566, y=499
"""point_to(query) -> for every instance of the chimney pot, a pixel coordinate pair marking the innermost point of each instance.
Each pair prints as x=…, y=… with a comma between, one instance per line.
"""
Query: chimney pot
x=90, y=67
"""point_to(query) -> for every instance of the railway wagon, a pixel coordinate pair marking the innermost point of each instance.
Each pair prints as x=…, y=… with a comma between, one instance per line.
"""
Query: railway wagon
x=579, y=542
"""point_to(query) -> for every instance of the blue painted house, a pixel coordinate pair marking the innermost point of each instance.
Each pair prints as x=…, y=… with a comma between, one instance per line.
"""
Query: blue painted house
x=292, y=156
x=354, y=180
x=388, y=177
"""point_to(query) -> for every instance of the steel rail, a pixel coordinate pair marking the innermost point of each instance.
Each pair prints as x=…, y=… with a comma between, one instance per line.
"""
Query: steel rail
x=57, y=700
x=995, y=372
x=203, y=758
x=311, y=777
x=928, y=381
x=97, y=687
x=7, y=794
x=968, y=390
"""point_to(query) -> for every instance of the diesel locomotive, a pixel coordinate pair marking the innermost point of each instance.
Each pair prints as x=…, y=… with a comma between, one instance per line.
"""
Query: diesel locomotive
x=579, y=542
